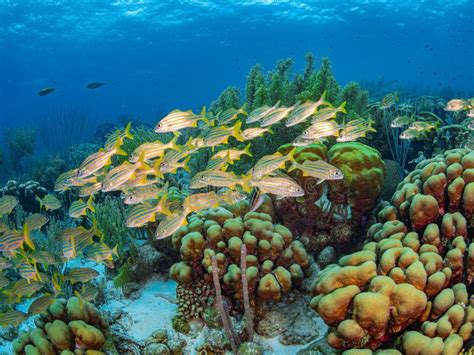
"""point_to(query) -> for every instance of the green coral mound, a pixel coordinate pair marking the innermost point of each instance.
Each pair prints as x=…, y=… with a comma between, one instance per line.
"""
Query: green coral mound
x=362, y=166
x=67, y=327
x=276, y=262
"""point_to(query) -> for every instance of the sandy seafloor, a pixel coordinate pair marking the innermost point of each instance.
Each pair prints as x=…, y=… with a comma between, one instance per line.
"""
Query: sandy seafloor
x=153, y=310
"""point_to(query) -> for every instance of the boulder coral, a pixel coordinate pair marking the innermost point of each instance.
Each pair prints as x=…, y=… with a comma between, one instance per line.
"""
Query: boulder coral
x=412, y=282
x=67, y=327
x=334, y=202
x=276, y=262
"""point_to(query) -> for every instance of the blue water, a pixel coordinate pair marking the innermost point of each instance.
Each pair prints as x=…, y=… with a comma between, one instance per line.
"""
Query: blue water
x=156, y=55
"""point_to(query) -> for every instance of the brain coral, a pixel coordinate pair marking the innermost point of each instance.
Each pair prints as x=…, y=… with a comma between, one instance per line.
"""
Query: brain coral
x=415, y=270
x=275, y=262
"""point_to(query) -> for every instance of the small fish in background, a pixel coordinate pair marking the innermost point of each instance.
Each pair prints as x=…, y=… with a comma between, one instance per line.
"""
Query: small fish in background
x=410, y=134
x=36, y=220
x=46, y=91
x=40, y=304
x=95, y=85
x=79, y=208
x=101, y=253
x=423, y=126
x=7, y=204
x=456, y=105
x=12, y=317
x=388, y=100
x=49, y=202
x=318, y=169
x=81, y=274
x=401, y=121
x=354, y=130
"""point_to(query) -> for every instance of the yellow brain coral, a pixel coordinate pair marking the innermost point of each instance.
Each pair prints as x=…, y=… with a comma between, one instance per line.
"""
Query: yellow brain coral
x=416, y=268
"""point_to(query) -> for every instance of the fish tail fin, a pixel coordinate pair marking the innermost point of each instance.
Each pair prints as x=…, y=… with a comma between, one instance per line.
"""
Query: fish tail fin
x=237, y=133
x=174, y=141
x=189, y=143
x=270, y=130
x=127, y=132
x=292, y=167
x=186, y=164
x=277, y=104
x=26, y=236
x=90, y=204
x=228, y=159
x=247, y=150
x=342, y=107
x=243, y=110
x=118, y=150
x=291, y=155
x=163, y=208
x=115, y=251
x=141, y=162
x=157, y=168
x=40, y=201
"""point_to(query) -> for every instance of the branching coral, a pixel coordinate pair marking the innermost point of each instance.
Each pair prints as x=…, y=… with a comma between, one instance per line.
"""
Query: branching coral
x=415, y=268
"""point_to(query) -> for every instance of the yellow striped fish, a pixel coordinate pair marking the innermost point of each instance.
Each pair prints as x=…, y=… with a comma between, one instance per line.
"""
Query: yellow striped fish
x=101, y=253
x=36, y=221
x=303, y=111
x=99, y=160
x=233, y=154
x=79, y=208
x=151, y=150
x=90, y=189
x=142, y=193
x=177, y=120
x=276, y=116
x=62, y=182
x=318, y=169
x=119, y=176
x=281, y=185
x=41, y=304
x=118, y=137
x=220, y=135
x=230, y=115
x=81, y=274
x=320, y=130
x=141, y=214
x=328, y=113
x=270, y=163
x=251, y=133
x=214, y=178
x=260, y=112
x=12, y=317
x=49, y=202
x=7, y=204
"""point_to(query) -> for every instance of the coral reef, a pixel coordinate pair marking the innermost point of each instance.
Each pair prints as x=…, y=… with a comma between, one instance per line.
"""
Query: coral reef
x=333, y=202
x=415, y=271
x=275, y=262
x=26, y=193
x=68, y=326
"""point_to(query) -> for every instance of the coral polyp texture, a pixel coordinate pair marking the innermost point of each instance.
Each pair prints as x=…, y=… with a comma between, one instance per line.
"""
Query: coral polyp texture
x=411, y=285
x=70, y=326
x=276, y=262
